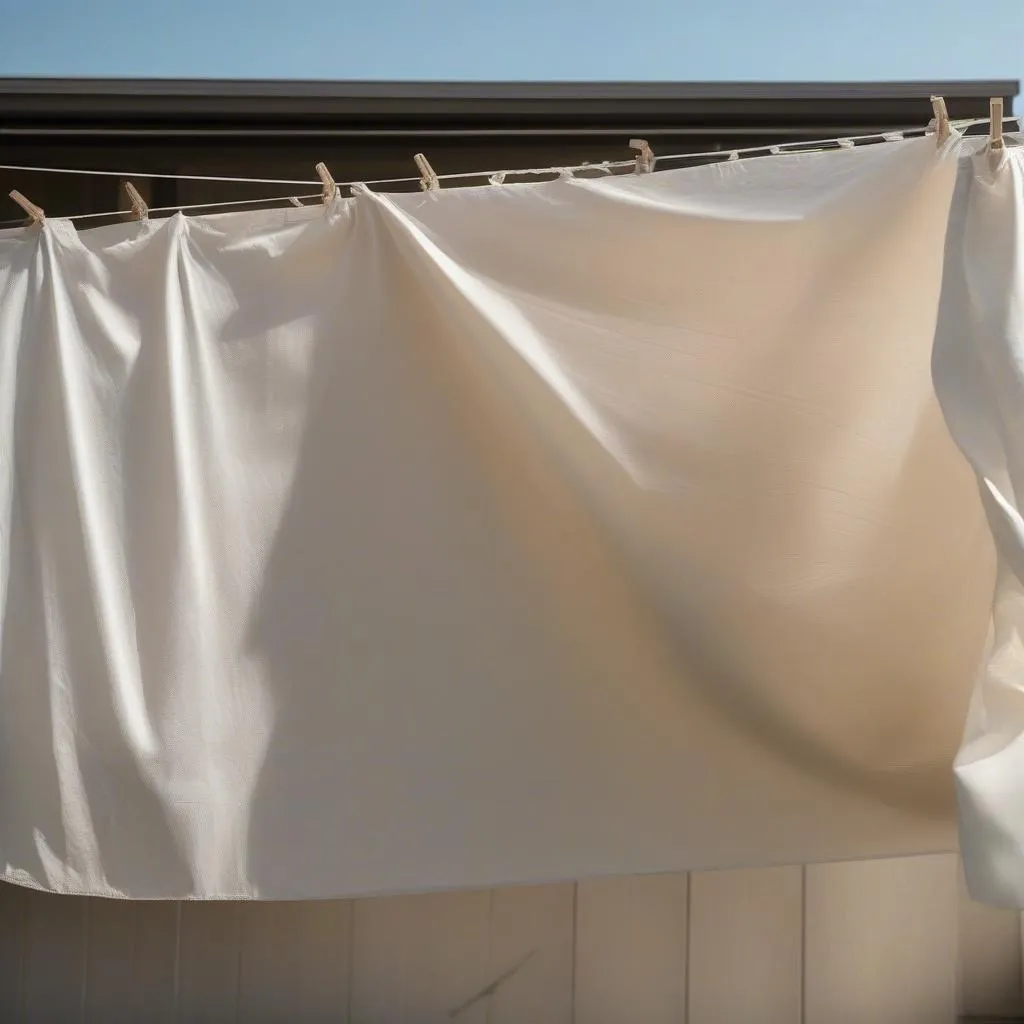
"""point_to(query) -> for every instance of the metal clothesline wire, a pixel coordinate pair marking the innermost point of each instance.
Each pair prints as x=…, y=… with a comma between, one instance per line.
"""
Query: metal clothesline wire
x=388, y=181
x=606, y=166
x=20, y=222
x=192, y=206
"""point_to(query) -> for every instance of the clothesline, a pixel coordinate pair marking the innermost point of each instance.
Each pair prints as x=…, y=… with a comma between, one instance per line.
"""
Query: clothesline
x=494, y=176
x=181, y=206
x=462, y=174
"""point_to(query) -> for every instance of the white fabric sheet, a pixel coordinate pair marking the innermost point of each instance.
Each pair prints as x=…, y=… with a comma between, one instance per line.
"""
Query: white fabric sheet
x=501, y=535
x=978, y=367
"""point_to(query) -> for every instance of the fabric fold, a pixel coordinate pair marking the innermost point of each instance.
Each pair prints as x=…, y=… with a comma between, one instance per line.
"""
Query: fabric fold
x=978, y=368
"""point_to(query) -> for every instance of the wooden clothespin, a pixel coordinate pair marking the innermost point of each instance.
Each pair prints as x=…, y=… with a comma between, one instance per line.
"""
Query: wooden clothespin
x=644, y=155
x=35, y=212
x=429, y=181
x=296, y=202
x=995, y=113
x=734, y=155
x=330, y=190
x=941, y=119
x=140, y=211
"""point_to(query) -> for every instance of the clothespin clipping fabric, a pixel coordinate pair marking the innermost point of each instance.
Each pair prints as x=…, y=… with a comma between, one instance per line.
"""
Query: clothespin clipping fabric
x=35, y=212
x=330, y=189
x=140, y=211
x=644, y=156
x=429, y=181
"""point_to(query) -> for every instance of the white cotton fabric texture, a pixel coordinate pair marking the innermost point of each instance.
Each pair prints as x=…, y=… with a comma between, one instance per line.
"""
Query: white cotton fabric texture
x=497, y=535
x=978, y=367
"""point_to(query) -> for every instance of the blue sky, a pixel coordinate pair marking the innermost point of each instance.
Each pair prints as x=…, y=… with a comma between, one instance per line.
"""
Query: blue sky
x=516, y=39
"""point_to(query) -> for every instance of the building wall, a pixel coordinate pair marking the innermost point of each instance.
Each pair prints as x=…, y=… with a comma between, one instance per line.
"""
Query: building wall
x=871, y=942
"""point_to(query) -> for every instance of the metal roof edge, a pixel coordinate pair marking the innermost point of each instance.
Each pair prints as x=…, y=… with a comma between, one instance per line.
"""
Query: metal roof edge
x=482, y=91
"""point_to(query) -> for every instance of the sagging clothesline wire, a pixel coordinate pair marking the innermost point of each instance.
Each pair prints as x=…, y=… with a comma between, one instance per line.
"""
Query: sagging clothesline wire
x=443, y=177
x=170, y=209
x=194, y=206
x=607, y=166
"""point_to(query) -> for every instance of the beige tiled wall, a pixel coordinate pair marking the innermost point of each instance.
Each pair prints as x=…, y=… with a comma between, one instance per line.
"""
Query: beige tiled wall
x=869, y=942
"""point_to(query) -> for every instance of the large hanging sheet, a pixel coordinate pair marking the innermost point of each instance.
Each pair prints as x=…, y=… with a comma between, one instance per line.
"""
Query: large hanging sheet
x=498, y=535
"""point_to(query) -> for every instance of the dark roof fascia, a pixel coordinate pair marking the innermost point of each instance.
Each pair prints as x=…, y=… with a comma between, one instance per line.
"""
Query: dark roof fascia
x=161, y=101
